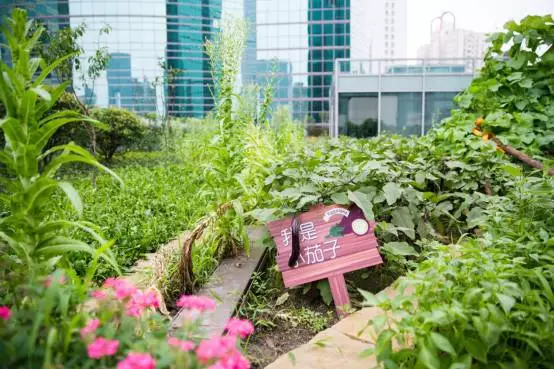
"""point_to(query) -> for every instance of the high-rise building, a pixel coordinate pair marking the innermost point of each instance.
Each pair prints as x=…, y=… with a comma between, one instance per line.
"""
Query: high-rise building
x=388, y=29
x=449, y=42
x=310, y=35
x=120, y=82
x=160, y=43
x=189, y=25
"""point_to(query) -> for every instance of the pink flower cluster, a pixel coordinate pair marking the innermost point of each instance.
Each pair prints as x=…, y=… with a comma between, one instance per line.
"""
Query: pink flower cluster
x=140, y=301
x=5, y=312
x=137, y=360
x=239, y=327
x=136, y=301
x=122, y=288
x=216, y=347
x=90, y=328
x=199, y=303
x=181, y=345
x=101, y=347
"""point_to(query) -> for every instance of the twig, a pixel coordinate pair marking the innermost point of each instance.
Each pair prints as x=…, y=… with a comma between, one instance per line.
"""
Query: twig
x=521, y=156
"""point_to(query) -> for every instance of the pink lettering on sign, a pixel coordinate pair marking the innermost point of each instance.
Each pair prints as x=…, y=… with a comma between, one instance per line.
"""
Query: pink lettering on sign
x=333, y=240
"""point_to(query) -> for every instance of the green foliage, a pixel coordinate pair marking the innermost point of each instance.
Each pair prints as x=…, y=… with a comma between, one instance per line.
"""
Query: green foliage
x=484, y=302
x=124, y=130
x=158, y=202
x=27, y=236
x=515, y=88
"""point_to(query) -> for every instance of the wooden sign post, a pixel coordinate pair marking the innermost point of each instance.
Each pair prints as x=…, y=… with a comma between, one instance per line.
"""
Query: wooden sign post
x=333, y=240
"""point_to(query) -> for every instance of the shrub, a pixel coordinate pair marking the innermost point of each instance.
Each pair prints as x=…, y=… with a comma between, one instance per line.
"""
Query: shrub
x=124, y=130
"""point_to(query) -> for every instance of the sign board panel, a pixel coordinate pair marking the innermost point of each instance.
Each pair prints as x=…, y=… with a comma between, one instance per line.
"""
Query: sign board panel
x=333, y=240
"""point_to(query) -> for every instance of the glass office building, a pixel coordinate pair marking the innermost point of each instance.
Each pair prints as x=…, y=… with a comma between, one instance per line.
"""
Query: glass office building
x=157, y=59
x=307, y=36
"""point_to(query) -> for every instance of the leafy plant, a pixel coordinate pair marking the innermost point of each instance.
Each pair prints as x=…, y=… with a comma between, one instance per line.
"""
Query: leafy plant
x=28, y=236
x=124, y=130
x=514, y=89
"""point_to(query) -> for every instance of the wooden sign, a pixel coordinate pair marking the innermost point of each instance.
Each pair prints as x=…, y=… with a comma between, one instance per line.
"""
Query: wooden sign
x=333, y=240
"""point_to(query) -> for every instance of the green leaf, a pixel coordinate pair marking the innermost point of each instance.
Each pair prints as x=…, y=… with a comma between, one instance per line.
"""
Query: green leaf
x=363, y=202
x=292, y=358
x=399, y=248
x=442, y=343
x=325, y=291
x=512, y=170
x=366, y=353
x=427, y=358
x=282, y=299
x=340, y=198
x=507, y=302
x=392, y=192
x=476, y=348
x=369, y=298
x=402, y=218
x=73, y=196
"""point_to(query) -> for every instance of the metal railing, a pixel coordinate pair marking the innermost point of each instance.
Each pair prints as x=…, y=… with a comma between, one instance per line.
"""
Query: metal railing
x=410, y=66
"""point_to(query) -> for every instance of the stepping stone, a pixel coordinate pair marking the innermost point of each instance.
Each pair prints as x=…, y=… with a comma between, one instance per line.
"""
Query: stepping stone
x=228, y=283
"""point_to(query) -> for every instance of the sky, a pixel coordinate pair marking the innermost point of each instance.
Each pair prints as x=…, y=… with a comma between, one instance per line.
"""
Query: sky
x=475, y=15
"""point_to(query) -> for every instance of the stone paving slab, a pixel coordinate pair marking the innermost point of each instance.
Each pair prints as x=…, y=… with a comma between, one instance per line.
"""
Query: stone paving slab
x=227, y=285
x=337, y=347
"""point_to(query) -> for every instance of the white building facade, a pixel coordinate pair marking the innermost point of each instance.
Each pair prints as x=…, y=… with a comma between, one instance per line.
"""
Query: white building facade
x=449, y=42
x=387, y=24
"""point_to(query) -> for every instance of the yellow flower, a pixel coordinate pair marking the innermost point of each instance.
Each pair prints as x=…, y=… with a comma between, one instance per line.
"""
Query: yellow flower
x=477, y=132
x=479, y=121
x=485, y=137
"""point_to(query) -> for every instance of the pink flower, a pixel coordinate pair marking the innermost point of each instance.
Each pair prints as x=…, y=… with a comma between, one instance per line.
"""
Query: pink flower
x=91, y=327
x=102, y=347
x=215, y=348
x=181, y=345
x=239, y=327
x=48, y=281
x=122, y=288
x=5, y=312
x=235, y=361
x=98, y=294
x=200, y=303
x=137, y=361
x=140, y=301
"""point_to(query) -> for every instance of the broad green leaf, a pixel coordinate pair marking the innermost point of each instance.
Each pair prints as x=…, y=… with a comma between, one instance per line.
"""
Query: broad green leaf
x=392, y=192
x=325, y=291
x=427, y=358
x=363, y=202
x=442, y=343
x=512, y=170
x=476, y=348
x=369, y=298
x=507, y=302
x=402, y=218
x=340, y=198
x=399, y=248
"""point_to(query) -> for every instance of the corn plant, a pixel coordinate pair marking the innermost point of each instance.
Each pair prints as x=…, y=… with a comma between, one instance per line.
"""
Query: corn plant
x=26, y=232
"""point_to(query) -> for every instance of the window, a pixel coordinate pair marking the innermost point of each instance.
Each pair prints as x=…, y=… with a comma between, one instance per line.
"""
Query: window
x=386, y=44
x=386, y=36
x=386, y=12
x=392, y=44
x=392, y=5
x=386, y=28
